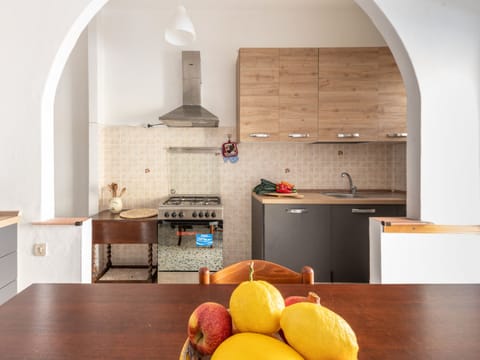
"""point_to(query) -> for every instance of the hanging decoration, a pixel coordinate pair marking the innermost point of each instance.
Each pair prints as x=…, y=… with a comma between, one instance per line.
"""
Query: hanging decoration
x=230, y=150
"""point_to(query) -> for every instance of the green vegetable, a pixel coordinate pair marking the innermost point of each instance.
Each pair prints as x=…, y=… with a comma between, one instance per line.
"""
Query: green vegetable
x=267, y=182
x=264, y=187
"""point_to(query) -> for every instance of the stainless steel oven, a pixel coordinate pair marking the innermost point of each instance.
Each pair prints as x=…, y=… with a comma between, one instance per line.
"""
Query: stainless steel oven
x=190, y=233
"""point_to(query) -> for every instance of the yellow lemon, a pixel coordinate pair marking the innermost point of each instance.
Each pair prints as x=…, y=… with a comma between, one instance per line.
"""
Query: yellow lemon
x=318, y=333
x=254, y=346
x=256, y=306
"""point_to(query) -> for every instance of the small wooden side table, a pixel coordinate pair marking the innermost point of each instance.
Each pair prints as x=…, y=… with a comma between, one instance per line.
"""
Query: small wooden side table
x=111, y=229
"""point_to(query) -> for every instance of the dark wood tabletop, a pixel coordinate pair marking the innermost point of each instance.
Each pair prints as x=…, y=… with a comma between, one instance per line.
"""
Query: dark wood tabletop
x=149, y=321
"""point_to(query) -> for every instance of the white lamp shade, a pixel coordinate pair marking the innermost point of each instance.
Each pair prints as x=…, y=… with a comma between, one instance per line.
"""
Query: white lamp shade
x=181, y=31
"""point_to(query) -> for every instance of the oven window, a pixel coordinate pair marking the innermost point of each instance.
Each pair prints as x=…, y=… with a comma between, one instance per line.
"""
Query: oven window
x=189, y=246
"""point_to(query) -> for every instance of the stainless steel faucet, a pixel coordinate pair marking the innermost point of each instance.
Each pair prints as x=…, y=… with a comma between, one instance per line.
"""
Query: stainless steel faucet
x=353, y=188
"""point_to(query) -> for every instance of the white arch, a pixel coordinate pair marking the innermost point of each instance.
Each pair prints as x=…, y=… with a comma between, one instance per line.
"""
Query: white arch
x=47, y=199
x=407, y=70
x=369, y=7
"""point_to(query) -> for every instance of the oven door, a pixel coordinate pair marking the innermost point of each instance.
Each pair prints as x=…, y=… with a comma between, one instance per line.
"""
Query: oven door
x=187, y=245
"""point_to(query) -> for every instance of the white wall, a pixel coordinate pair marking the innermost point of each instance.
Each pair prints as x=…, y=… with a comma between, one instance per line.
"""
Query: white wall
x=142, y=73
x=68, y=258
x=31, y=34
x=443, y=41
x=71, y=135
x=422, y=257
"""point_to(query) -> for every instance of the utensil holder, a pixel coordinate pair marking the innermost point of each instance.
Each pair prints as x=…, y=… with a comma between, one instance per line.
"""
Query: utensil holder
x=115, y=205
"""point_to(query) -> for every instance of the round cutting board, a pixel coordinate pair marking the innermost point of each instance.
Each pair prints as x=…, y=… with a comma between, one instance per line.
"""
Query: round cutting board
x=138, y=213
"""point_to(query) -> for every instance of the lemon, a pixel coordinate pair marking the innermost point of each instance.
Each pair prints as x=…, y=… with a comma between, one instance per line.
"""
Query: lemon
x=254, y=346
x=318, y=333
x=256, y=306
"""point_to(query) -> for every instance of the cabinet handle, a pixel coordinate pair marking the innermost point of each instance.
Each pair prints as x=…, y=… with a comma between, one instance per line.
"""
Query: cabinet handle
x=363, y=211
x=397, y=135
x=351, y=135
x=298, y=136
x=259, y=135
x=296, y=211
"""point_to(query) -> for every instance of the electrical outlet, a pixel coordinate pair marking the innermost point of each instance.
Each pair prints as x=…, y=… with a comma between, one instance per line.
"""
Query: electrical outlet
x=40, y=249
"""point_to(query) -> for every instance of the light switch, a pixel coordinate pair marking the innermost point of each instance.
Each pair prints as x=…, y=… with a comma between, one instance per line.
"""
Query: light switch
x=40, y=249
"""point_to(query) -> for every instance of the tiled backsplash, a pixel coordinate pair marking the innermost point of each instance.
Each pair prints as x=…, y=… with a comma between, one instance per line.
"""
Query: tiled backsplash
x=137, y=158
x=194, y=173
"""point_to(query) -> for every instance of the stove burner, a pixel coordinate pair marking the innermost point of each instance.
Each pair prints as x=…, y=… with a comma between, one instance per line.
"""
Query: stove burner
x=196, y=208
x=193, y=200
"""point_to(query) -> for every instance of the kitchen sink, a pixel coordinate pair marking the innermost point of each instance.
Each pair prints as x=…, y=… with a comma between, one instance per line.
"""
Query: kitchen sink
x=342, y=195
x=362, y=194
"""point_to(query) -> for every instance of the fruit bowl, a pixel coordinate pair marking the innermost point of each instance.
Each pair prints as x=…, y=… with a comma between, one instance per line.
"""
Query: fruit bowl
x=189, y=353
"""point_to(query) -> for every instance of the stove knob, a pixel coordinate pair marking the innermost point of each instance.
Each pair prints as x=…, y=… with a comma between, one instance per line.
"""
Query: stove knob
x=194, y=214
x=207, y=214
x=174, y=214
x=166, y=214
x=200, y=214
x=180, y=214
x=213, y=214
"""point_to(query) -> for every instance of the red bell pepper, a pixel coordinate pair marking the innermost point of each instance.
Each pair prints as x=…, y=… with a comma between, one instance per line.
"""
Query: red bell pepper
x=283, y=188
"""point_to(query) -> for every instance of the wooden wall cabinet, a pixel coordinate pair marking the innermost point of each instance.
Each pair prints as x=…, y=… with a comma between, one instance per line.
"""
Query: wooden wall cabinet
x=320, y=95
x=277, y=95
x=361, y=96
x=392, y=99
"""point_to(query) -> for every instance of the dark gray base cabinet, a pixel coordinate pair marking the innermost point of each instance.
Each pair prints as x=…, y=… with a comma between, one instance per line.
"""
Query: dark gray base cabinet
x=333, y=239
x=350, y=239
x=8, y=262
x=293, y=236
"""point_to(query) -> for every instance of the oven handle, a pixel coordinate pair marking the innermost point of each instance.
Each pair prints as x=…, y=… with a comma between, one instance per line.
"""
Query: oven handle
x=192, y=222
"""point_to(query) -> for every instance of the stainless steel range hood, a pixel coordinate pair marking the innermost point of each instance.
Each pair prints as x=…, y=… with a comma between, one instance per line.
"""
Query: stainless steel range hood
x=191, y=113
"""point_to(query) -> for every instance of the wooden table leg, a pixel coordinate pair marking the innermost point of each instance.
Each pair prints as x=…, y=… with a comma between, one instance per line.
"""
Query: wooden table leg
x=109, y=256
x=150, y=261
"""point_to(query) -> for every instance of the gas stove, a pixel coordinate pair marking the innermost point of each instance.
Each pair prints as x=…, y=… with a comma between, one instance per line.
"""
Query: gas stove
x=191, y=207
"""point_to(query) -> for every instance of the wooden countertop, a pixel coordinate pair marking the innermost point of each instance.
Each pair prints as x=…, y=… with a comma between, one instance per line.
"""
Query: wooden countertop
x=405, y=225
x=149, y=321
x=9, y=218
x=75, y=221
x=316, y=197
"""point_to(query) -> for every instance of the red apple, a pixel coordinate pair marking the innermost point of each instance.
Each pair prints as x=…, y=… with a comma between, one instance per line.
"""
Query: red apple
x=311, y=297
x=209, y=324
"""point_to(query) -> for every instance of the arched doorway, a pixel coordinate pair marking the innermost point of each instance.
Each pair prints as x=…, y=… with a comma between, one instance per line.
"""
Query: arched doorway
x=369, y=7
x=47, y=206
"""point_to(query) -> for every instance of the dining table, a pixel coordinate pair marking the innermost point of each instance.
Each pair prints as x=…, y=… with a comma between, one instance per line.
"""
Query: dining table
x=149, y=321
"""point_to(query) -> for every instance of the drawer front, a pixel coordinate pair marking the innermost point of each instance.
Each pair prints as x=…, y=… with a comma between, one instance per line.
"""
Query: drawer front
x=125, y=232
x=8, y=240
x=8, y=292
x=8, y=269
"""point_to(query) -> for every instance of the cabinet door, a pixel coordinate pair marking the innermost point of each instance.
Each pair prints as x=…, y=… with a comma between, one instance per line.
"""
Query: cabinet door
x=350, y=239
x=8, y=240
x=392, y=99
x=347, y=96
x=258, y=95
x=298, y=111
x=361, y=95
x=298, y=235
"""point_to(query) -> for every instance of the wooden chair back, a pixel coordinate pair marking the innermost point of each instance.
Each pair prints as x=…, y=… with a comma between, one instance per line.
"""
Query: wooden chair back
x=263, y=270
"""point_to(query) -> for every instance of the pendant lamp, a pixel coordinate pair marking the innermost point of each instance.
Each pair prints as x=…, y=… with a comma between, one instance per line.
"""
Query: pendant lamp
x=180, y=32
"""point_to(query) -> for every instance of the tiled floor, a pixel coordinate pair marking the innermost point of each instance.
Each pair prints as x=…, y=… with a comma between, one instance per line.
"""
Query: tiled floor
x=125, y=274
